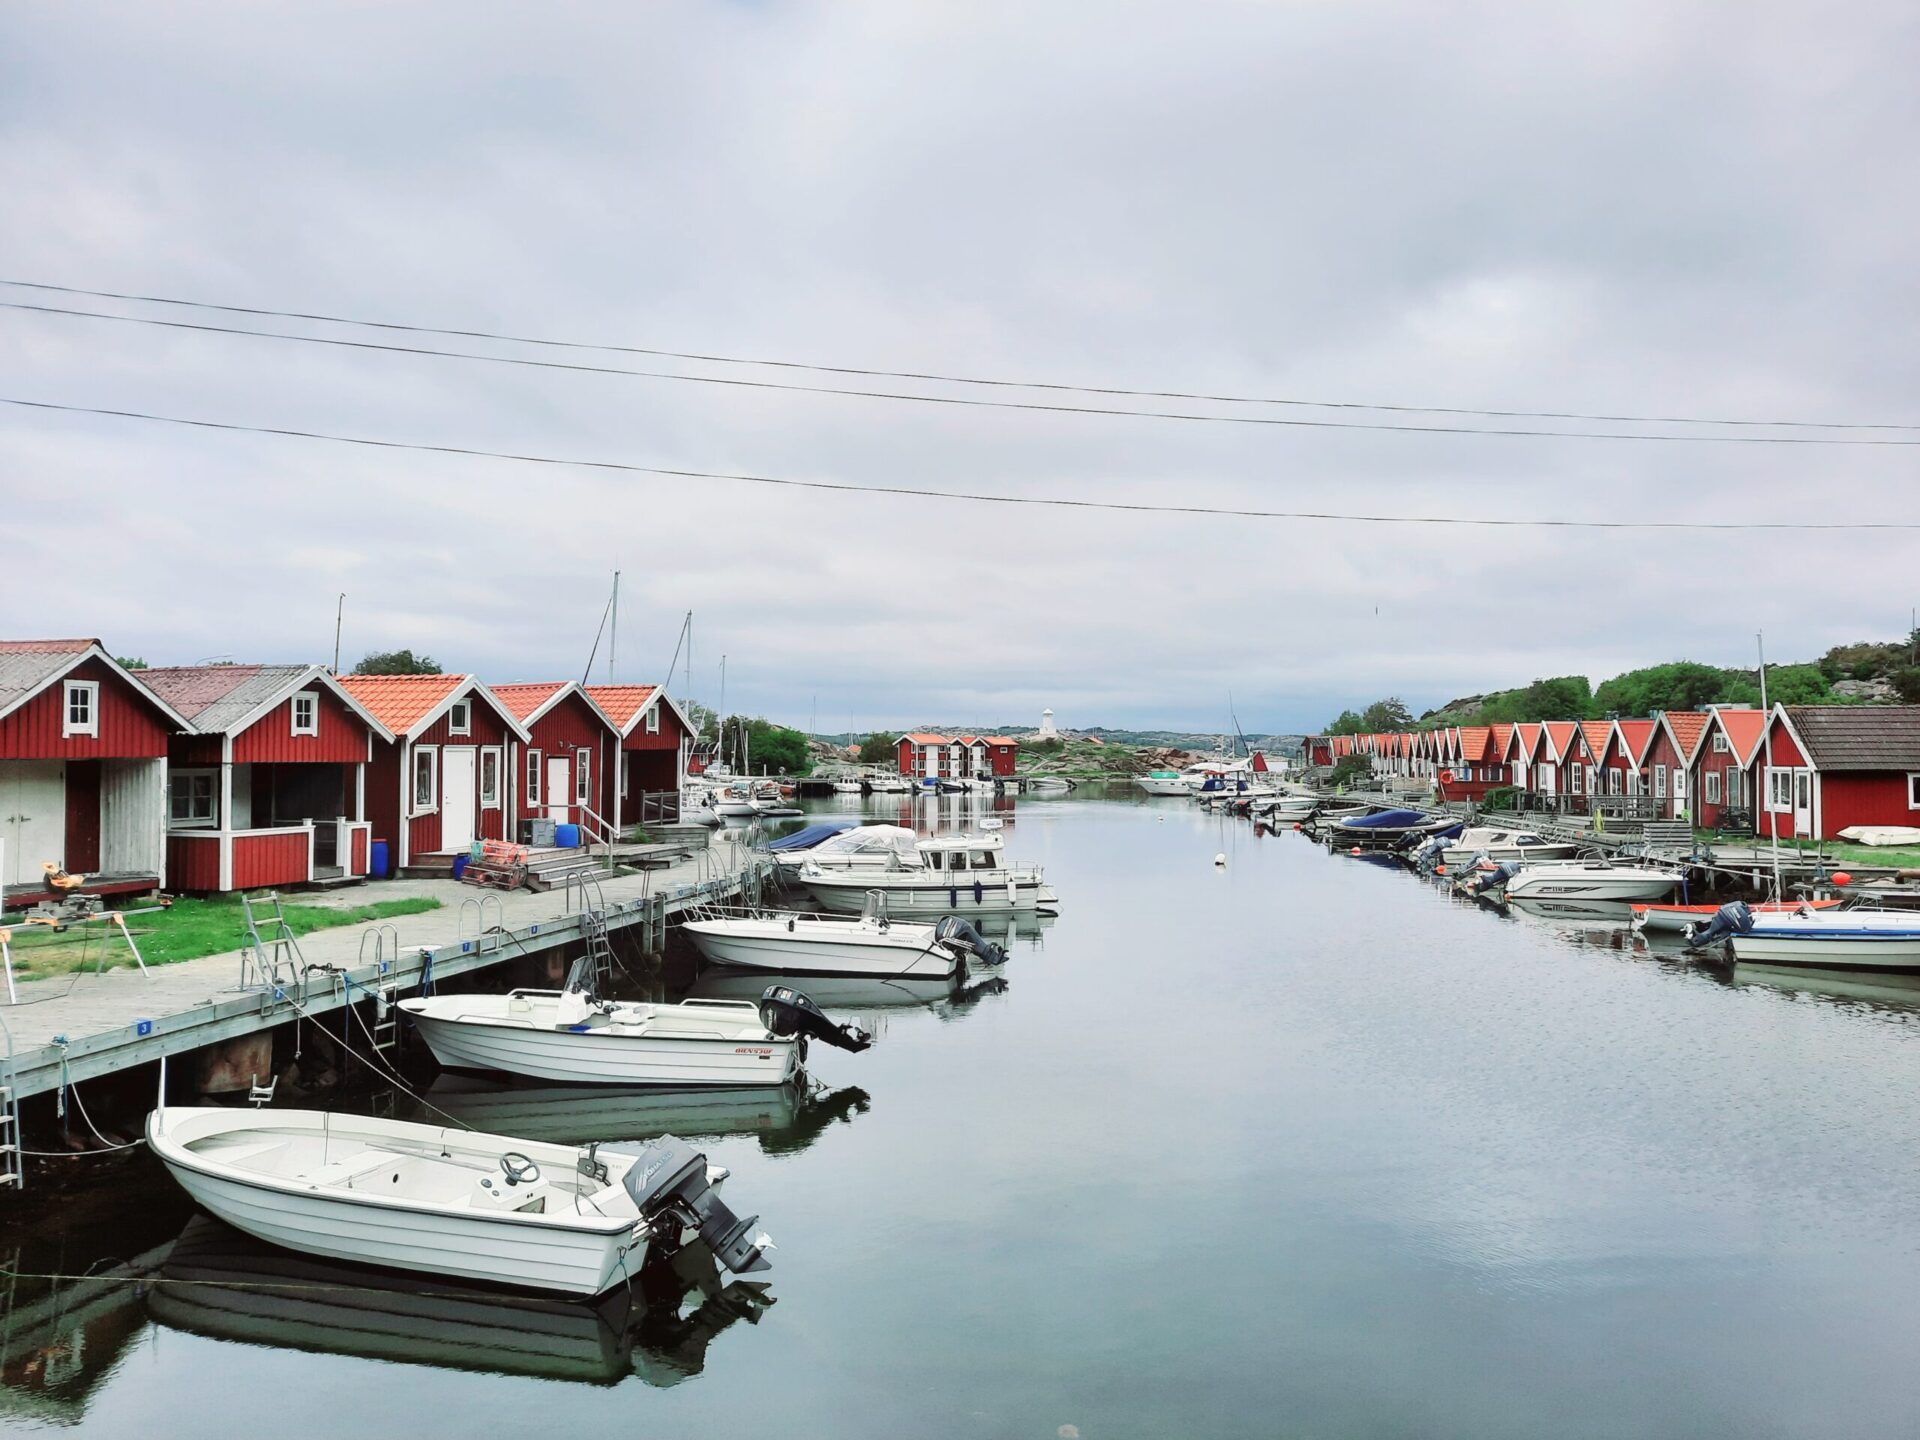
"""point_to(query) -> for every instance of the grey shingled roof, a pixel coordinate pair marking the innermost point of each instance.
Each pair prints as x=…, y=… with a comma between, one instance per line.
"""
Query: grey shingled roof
x=1859, y=737
x=24, y=671
x=216, y=697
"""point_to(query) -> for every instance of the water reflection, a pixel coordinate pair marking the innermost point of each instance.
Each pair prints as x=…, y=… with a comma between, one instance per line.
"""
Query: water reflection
x=786, y=1118
x=220, y=1283
x=61, y=1343
x=854, y=994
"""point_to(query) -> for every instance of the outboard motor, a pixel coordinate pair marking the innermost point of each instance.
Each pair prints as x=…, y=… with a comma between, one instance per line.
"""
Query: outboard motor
x=1485, y=882
x=1427, y=854
x=1733, y=918
x=785, y=1011
x=966, y=942
x=669, y=1179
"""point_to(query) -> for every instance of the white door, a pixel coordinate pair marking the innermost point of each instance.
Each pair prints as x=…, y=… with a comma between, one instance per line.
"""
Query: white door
x=559, y=787
x=33, y=818
x=458, y=788
x=1803, y=802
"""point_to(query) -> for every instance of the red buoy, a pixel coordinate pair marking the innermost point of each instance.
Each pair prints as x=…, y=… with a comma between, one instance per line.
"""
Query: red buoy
x=1354, y=851
x=1841, y=877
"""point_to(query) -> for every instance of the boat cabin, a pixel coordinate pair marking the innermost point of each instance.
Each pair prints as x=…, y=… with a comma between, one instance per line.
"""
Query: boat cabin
x=957, y=854
x=268, y=776
x=83, y=771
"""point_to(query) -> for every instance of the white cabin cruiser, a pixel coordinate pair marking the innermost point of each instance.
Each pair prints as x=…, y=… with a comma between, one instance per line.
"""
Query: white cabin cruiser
x=881, y=784
x=958, y=874
x=1592, y=880
x=1163, y=782
x=858, y=849
x=571, y=1035
x=1505, y=843
x=792, y=943
x=444, y=1201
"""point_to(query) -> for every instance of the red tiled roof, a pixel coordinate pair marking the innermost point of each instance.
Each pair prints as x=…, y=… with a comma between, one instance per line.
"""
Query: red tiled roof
x=401, y=702
x=925, y=737
x=1501, y=735
x=997, y=740
x=623, y=703
x=1527, y=732
x=1596, y=733
x=1474, y=740
x=1636, y=734
x=1560, y=735
x=1744, y=729
x=46, y=647
x=1687, y=727
x=522, y=700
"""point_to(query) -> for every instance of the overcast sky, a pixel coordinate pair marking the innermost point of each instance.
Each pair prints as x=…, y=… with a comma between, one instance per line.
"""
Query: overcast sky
x=1660, y=209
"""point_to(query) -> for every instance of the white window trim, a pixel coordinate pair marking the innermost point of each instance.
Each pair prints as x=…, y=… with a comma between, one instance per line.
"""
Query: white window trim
x=583, y=777
x=312, y=697
x=1659, y=782
x=1780, y=790
x=1913, y=790
x=460, y=717
x=653, y=721
x=212, y=822
x=534, y=759
x=89, y=688
x=432, y=752
x=1711, y=783
x=1576, y=782
x=491, y=802
x=1721, y=745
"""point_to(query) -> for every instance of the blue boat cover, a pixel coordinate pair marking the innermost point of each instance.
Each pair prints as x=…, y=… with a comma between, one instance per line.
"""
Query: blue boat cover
x=810, y=835
x=1386, y=820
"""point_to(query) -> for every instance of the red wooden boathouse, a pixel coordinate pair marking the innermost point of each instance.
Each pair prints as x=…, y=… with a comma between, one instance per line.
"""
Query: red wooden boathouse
x=1726, y=764
x=1830, y=767
x=1670, y=758
x=566, y=770
x=656, y=745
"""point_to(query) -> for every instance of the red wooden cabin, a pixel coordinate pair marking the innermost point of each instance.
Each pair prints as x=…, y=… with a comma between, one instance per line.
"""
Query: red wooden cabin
x=268, y=776
x=1670, y=757
x=1830, y=767
x=1623, y=764
x=656, y=746
x=1726, y=764
x=569, y=766
x=441, y=783
x=83, y=771
x=1475, y=767
x=1319, y=751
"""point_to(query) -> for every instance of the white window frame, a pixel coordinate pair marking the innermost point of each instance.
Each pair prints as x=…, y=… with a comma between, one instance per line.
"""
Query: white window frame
x=1711, y=783
x=69, y=692
x=583, y=777
x=1913, y=790
x=534, y=759
x=1613, y=780
x=312, y=698
x=1659, y=782
x=211, y=821
x=431, y=754
x=460, y=716
x=1779, y=790
x=1574, y=779
x=1721, y=745
x=653, y=720
x=490, y=796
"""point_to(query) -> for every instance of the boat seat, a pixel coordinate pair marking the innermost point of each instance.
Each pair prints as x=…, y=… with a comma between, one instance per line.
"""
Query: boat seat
x=345, y=1172
x=248, y=1154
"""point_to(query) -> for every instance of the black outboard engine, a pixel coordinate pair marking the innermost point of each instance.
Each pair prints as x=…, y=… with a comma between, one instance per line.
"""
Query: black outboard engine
x=1485, y=882
x=669, y=1179
x=1427, y=854
x=1733, y=918
x=966, y=942
x=785, y=1011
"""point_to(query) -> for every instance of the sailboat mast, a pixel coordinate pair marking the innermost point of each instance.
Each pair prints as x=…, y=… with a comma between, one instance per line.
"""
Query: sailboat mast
x=1766, y=745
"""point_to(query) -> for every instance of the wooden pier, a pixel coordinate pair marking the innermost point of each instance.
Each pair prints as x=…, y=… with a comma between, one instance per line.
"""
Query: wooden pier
x=73, y=1028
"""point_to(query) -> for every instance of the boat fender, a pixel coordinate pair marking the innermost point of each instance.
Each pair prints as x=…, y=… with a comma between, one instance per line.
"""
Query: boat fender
x=668, y=1180
x=1733, y=918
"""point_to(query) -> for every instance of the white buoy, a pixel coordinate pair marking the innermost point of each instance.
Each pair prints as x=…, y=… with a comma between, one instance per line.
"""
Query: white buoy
x=1220, y=860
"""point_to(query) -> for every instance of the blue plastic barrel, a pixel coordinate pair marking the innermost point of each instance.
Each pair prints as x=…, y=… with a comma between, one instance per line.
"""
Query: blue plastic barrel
x=377, y=860
x=460, y=863
x=567, y=837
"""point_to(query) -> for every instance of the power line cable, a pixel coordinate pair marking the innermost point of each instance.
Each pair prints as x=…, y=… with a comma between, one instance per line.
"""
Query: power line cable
x=1029, y=405
x=1045, y=501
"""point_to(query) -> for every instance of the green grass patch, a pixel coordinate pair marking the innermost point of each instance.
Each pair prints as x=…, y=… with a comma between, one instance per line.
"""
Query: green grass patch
x=187, y=931
x=1899, y=856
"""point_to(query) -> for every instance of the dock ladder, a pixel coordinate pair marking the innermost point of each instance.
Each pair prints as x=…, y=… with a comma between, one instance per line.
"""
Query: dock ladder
x=593, y=923
x=12, y=1168
x=271, y=943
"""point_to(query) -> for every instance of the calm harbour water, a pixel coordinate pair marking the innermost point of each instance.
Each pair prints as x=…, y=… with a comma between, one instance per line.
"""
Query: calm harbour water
x=1297, y=1147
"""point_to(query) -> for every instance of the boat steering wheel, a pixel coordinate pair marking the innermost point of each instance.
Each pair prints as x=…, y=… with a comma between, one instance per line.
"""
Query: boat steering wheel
x=518, y=1168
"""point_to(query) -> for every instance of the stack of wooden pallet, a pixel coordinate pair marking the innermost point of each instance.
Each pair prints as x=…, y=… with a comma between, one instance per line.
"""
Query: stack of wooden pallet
x=496, y=864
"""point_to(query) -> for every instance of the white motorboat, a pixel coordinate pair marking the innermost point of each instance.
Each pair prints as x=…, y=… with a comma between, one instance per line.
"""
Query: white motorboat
x=1048, y=784
x=443, y=1201
x=1503, y=843
x=1592, y=880
x=889, y=784
x=734, y=802
x=792, y=943
x=570, y=1035
x=1163, y=782
x=1286, y=809
x=958, y=874
x=847, y=785
x=857, y=849
x=1884, y=941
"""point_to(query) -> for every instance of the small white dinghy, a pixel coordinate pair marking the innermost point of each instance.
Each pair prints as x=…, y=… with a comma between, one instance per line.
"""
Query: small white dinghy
x=796, y=943
x=443, y=1201
x=573, y=1036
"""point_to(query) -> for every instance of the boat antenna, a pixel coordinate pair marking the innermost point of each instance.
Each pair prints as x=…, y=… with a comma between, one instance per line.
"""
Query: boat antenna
x=1766, y=745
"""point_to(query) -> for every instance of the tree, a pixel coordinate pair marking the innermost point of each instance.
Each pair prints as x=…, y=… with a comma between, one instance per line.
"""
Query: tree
x=1348, y=723
x=1682, y=685
x=129, y=662
x=397, y=662
x=1388, y=714
x=1906, y=682
x=771, y=748
x=877, y=749
x=1786, y=685
x=1349, y=769
x=706, y=724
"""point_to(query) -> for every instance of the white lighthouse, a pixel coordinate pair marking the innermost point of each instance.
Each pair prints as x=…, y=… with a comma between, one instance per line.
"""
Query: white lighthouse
x=1046, y=730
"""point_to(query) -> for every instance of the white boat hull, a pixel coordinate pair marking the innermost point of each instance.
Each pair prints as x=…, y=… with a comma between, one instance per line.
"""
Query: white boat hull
x=848, y=896
x=604, y=1057
x=1162, y=787
x=1548, y=884
x=823, y=948
x=1833, y=940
